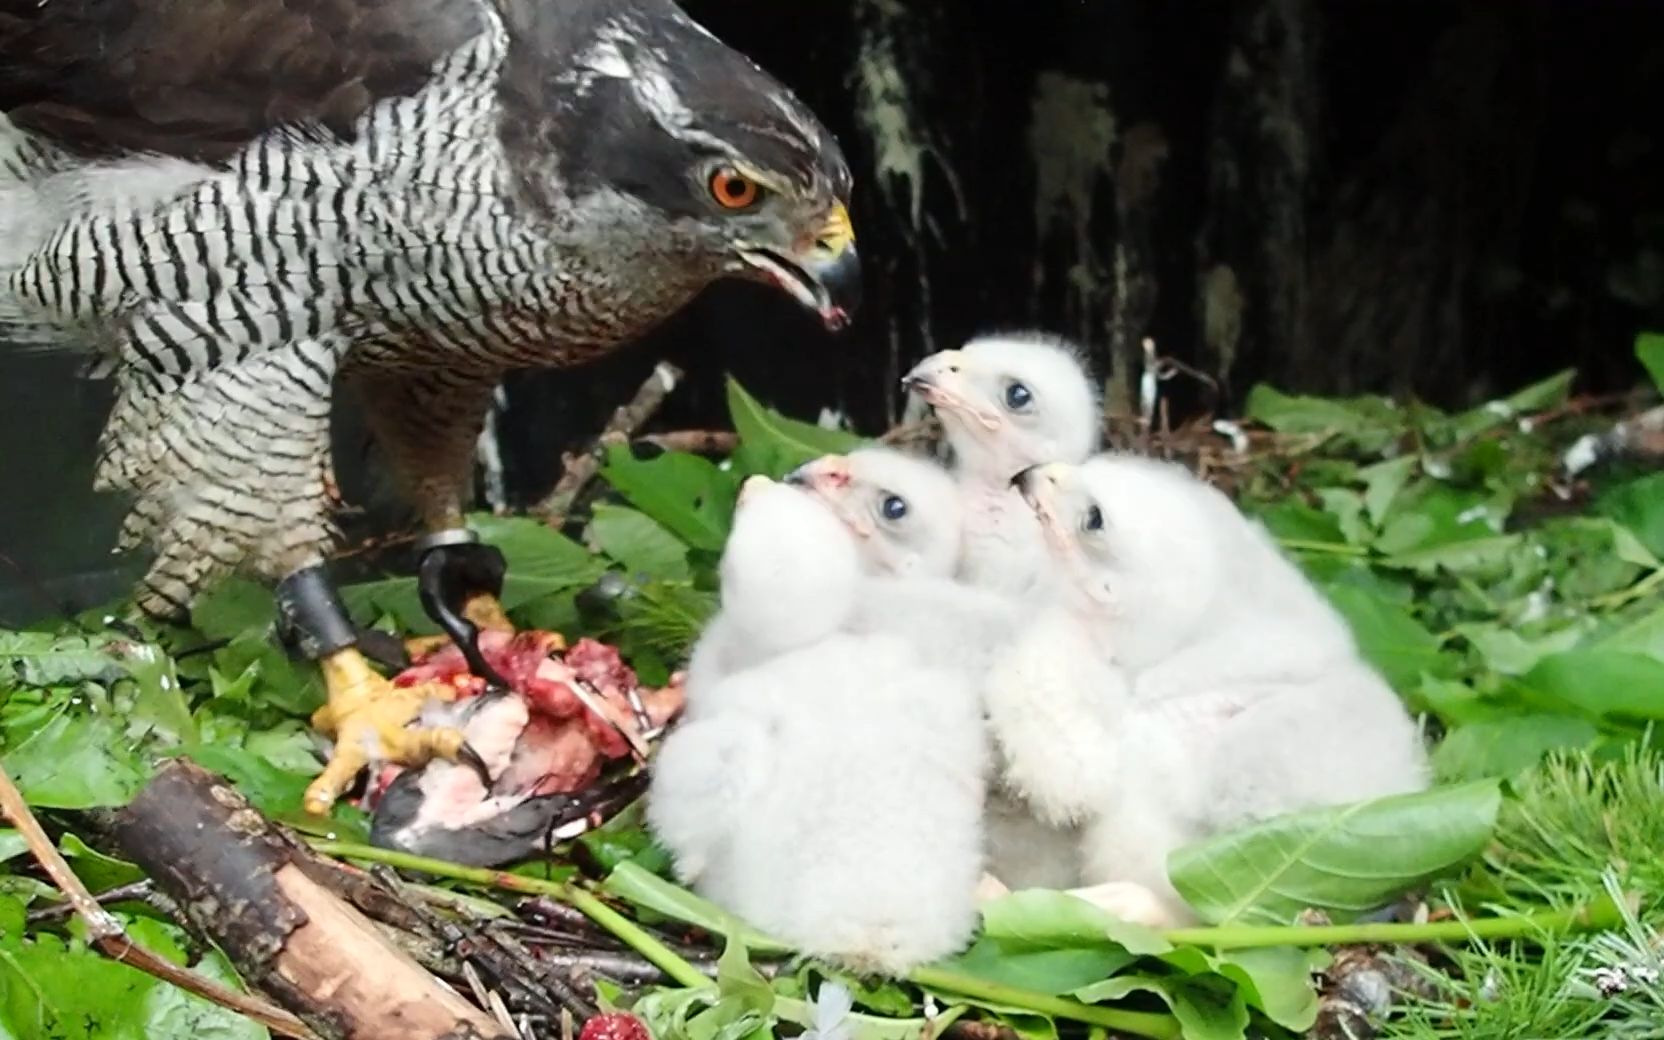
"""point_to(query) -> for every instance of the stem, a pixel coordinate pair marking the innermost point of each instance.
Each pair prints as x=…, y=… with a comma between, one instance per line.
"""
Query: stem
x=621, y=927
x=1331, y=548
x=1614, y=600
x=1601, y=914
x=1138, y=1023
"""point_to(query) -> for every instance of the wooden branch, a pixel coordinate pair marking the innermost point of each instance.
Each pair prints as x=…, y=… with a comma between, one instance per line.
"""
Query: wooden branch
x=264, y=899
x=696, y=442
x=110, y=939
x=625, y=421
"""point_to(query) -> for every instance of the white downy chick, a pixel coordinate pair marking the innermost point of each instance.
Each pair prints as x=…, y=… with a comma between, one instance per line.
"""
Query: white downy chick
x=907, y=515
x=1187, y=680
x=829, y=789
x=1007, y=401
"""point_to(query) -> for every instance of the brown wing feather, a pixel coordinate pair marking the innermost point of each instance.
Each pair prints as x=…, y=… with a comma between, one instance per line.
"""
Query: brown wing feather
x=199, y=78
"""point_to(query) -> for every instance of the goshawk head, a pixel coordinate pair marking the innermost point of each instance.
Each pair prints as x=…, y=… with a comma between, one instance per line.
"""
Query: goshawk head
x=637, y=122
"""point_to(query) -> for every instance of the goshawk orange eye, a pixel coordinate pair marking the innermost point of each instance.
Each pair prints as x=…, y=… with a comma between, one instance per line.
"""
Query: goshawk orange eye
x=732, y=189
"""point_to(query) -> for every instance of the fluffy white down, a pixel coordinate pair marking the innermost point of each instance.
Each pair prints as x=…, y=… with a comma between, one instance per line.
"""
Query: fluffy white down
x=1188, y=680
x=828, y=788
x=912, y=593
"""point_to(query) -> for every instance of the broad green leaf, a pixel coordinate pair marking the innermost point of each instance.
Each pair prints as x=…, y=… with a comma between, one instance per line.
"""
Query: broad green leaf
x=1537, y=397
x=1345, y=860
x=1050, y=942
x=1639, y=506
x=49, y=659
x=98, y=871
x=1644, y=635
x=689, y=495
x=1382, y=483
x=233, y=607
x=1296, y=522
x=63, y=991
x=633, y=883
x=1602, y=684
x=640, y=543
x=1287, y=413
x=1505, y=747
x=76, y=761
x=1041, y=917
x=1207, y=1008
x=1277, y=981
x=1389, y=637
x=1649, y=348
x=270, y=789
x=536, y=552
x=777, y=443
x=12, y=844
x=1507, y=652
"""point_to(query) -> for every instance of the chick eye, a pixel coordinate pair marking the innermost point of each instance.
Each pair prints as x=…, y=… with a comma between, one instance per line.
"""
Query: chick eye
x=732, y=189
x=894, y=507
x=1093, y=520
x=1017, y=396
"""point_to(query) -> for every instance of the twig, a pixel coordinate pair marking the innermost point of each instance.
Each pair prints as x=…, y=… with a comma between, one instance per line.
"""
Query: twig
x=143, y=891
x=113, y=941
x=625, y=421
x=632, y=934
x=1154, y=1026
x=695, y=442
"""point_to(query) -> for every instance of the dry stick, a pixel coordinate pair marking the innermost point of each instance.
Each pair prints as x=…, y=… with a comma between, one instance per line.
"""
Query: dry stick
x=625, y=421
x=695, y=442
x=113, y=941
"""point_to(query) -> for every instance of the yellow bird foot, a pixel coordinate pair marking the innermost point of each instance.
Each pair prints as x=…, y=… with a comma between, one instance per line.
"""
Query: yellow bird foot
x=483, y=610
x=370, y=719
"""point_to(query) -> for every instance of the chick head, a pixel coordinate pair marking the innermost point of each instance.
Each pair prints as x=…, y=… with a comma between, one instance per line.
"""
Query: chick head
x=903, y=511
x=1011, y=400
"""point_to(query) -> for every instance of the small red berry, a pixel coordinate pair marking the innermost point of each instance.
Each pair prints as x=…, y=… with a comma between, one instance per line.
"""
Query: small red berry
x=615, y=1025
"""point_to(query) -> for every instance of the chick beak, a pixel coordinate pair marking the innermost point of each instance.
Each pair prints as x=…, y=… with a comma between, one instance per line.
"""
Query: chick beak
x=822, y=271
x=1039, y=486
x=825, y=474
x=939, y=381
x=752, y=483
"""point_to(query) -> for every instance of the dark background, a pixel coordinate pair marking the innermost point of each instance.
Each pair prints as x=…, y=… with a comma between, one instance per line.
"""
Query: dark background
x=1422, y=197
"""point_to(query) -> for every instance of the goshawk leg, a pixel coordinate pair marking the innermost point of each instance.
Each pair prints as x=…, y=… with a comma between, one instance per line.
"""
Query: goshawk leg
x=427, y=424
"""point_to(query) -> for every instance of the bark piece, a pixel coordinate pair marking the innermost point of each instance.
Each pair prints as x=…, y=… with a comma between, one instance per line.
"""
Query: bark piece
x=262, y=898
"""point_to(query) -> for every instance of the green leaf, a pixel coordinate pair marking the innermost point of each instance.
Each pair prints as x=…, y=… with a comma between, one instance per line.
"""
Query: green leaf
x=641, y=544
x=1507, y=652
x=49, y=659
x=63, y=991
x=100, y=872
x=1277, y=981
x=1388, y=636
x=76, y=761
x=1539, y=396
x=232, y=608
x=631, y=882
x=1345, y=860
x=1649, y=348
x=1288, y=413
x=1644, y=635
x=1602, y=684
x=1051, y=942
x=688, y=494
x=1506, y=747
x=1207, y=1009
x=778, y=444
x=1639, y=506
x=12, y=844
x=1382, y=483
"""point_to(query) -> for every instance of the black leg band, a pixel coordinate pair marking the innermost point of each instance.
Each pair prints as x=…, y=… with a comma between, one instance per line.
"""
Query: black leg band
x=311, y=619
